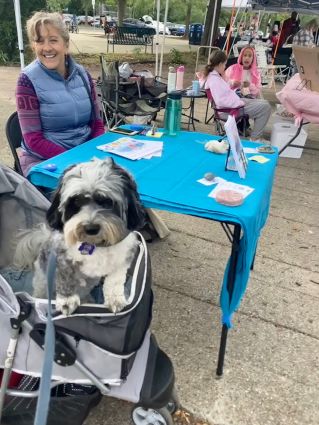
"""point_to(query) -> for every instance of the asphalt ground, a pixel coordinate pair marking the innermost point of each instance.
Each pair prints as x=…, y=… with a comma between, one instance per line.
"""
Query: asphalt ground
x=271, y=370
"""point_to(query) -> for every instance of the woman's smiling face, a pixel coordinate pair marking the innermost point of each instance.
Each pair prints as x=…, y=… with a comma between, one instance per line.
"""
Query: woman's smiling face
x=50, y=48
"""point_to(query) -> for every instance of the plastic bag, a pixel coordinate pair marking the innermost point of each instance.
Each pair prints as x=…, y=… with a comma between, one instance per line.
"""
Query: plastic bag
x=125, y=70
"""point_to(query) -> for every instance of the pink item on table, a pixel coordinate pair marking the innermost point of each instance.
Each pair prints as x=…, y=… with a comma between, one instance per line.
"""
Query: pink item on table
x=229, y=197
x=301, y=102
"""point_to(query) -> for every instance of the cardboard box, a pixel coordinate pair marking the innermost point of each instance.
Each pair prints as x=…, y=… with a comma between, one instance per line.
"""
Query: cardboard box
x=282, y=132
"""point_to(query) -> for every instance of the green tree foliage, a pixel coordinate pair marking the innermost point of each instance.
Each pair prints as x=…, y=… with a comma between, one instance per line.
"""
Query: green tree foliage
x=57, y=5
x=9, y=51
x=177, y=10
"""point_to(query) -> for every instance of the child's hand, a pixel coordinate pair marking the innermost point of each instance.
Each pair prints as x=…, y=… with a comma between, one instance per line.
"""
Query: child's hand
x=245, y=91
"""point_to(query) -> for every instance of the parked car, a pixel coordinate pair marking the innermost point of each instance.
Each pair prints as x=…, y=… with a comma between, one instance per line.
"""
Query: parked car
x=67, y=18
x=131, y=22
x=177, y=29
x=81, y=19
x=153, y=24
x=161, y=28
x=96, y=22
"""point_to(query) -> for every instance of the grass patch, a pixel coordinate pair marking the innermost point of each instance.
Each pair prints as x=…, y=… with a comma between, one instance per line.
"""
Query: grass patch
x=136, y=56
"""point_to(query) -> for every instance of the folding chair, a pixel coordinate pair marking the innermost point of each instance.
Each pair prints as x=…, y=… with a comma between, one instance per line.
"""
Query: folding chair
x=220, y=116
x=269, y=73
x=117, y=102
x=14, y=136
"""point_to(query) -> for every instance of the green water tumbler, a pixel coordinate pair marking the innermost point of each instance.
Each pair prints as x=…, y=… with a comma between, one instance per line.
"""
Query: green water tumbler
x=173, y=112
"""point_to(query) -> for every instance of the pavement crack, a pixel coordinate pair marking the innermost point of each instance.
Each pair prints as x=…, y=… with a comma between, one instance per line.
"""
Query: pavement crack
x=241, y=312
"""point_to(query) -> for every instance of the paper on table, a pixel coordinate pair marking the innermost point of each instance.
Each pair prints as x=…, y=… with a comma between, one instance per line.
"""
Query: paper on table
x=237, y=158
x=157, y=134
x=259, y=158
x=133, y=148
x=226, y=185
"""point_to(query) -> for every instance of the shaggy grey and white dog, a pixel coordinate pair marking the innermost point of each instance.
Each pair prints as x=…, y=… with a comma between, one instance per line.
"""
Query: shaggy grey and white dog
x=90, y=225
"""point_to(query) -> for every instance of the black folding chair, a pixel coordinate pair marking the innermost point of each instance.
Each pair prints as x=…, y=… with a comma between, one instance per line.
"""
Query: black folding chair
x=14, y=136
x=117, y=99
x=220, y=116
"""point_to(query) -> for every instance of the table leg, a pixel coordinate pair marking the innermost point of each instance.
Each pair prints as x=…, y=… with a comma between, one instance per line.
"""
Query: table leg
x=293, y=138
x=191, y=114
x=230, y=287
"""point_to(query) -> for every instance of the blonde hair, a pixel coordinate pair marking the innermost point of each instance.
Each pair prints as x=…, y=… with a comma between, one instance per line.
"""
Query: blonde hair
x=40, y=19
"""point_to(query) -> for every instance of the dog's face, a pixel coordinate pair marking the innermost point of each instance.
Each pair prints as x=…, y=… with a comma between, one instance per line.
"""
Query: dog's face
x=96, y=202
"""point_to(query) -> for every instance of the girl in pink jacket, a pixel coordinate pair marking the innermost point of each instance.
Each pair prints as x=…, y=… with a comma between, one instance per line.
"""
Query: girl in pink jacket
x=224, y=97
x=244, y=75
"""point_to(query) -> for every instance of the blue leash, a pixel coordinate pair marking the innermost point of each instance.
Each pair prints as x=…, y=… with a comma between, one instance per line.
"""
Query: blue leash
x=41, y=414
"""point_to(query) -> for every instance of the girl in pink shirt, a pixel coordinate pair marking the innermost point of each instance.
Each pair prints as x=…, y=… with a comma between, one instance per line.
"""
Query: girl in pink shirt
x=224, y=97
x=244, y=75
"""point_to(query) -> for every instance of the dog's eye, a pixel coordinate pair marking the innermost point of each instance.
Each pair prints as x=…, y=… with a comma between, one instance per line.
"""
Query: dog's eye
x=103, y=202
x=80, y=201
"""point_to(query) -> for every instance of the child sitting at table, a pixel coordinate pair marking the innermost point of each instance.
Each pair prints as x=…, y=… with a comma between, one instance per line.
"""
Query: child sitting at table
x=244, y=76
x=224, y=97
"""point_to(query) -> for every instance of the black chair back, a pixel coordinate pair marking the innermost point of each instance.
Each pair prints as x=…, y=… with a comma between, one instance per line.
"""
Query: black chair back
x=14, y=136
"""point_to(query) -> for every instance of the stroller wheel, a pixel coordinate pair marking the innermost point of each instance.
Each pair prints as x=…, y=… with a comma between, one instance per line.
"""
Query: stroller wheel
x=160, y=416
x=174, y=404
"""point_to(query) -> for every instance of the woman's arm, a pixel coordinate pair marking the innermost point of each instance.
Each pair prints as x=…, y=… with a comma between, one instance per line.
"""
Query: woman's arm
x=97, y=126
x=28, y=109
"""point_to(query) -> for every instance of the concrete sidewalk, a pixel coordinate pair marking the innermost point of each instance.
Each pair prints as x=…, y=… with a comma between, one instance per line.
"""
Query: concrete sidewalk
x=271, y=370
x=92, y=40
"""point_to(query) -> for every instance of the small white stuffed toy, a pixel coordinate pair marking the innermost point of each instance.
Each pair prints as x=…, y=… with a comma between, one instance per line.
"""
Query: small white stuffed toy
x=216, y=146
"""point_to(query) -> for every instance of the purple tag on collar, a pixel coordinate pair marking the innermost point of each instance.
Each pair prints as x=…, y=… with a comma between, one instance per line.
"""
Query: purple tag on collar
x=86, y=248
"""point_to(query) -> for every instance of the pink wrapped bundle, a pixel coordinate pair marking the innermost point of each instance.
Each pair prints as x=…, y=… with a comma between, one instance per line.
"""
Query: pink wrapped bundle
x=301, y=102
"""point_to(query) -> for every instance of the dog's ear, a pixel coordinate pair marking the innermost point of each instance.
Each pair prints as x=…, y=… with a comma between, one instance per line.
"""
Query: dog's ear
x=54, y=216
x=135, y=210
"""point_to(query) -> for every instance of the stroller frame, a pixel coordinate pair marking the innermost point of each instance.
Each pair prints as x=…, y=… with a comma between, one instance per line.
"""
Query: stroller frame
x=137, y=369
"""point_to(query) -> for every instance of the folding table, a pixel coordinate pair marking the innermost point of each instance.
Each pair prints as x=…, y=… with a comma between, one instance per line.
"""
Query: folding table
x=170, y=183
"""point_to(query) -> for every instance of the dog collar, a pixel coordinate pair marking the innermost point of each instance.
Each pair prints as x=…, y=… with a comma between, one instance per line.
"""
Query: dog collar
x=87, y=248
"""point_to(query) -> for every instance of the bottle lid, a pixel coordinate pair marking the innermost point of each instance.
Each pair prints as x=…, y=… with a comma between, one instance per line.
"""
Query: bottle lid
x=174, y=95
x=171, y=69
x=181, y=68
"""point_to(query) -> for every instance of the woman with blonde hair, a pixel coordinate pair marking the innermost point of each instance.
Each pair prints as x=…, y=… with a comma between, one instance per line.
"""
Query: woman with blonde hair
x=55, y=96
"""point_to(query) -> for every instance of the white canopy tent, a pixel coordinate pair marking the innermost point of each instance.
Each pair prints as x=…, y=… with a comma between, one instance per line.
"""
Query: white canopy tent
x=17, y=13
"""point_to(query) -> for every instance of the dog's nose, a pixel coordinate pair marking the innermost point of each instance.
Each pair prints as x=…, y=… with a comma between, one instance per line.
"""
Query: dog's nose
x=92, y=229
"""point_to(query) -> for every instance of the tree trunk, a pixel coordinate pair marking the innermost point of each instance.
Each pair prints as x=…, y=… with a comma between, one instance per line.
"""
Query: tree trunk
x=121, y=6
x=209, y=21
x=188, y=17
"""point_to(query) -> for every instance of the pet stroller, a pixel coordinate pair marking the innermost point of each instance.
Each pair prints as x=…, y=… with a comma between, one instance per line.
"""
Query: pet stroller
x=96, y=352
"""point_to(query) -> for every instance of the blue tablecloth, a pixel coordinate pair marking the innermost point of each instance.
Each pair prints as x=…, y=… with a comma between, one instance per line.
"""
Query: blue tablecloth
x=170, y=183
